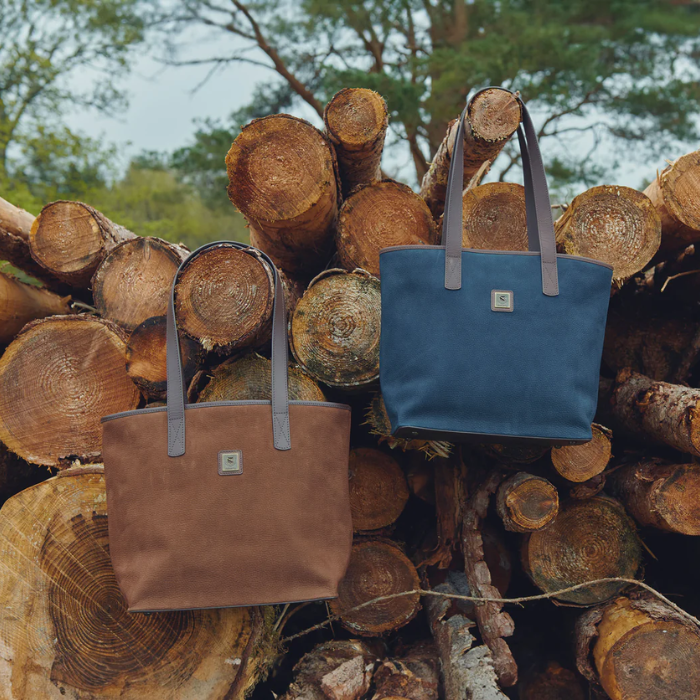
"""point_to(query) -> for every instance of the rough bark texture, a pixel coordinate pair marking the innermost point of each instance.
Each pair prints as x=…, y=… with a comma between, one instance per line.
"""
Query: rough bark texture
x=589, y=540
x=64, y=629
x=554, y=683
x=224, y=299
x=70, y=239
x=356, y=122
x=414, y=676
x=675, y=193
x=146, y=357
x=134, y=280
x=377, y=216
x=282, y=177
x=377, y=568
x=667, y=413
x=57, y=379
x=526, y=502
x=580, y=463
x=661, y=495
x=614, y=224
x=21, y=303
x=378, y=489
x=334, y=331
x=491, y=120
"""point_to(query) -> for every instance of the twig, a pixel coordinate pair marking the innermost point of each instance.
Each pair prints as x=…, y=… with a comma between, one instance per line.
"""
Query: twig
x=505, y=601
x=680, y=274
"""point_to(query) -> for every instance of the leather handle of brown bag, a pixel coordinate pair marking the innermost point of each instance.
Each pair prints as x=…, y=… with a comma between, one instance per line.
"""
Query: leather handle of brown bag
x=176, y=392
x=540, y=226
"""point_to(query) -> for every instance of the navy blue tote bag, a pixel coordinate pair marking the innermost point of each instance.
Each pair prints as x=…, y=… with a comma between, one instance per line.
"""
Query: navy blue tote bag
x=489, y=345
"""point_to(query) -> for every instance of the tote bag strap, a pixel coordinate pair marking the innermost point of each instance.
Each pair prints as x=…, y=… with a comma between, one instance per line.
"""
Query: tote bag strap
x=176, y=395
x=540, y=226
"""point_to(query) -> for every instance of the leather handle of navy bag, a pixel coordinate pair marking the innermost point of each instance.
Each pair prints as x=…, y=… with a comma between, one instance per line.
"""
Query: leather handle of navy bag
x=539, y=212
x=175, y=381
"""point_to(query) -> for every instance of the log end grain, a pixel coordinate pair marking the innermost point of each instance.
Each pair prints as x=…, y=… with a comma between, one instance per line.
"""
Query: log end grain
x=579, y=463
x=527, y=503
x=494, y=115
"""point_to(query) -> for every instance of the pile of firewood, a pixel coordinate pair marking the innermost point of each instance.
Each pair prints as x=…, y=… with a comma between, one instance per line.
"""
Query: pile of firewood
x=436, y=525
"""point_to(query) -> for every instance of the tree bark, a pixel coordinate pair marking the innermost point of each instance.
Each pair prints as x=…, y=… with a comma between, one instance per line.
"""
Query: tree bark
x=146, y=357
x=282, y=177
x=637, y=647
x=377, y=568
x=21, y=303
x=224, y=299
x=526, y=502
x=134, y=280
x=378, y=489
x=63, y=621
x=579, y=463
x=413, y=676
x=589, y=540
x=613, y=224
x=675, y=193
x=70, y=240
x=554, y=683
x=356, y=122
x=334, y=332
x=667, y=413
x=57, y=379
x=377, y=216
x=661, y=495
x=491, y=120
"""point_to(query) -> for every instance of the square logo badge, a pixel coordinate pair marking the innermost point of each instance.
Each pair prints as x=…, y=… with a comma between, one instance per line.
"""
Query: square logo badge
x=230, y=462
x=501, y=300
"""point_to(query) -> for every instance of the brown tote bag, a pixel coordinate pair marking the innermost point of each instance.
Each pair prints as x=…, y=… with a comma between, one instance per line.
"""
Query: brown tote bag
x=220, y=504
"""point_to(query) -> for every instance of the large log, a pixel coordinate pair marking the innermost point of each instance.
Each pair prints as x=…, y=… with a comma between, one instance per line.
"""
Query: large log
x=661, y=495
x=617, y=225
x=378, y=489
x=667, y=413
x=356, y=121
x=492, y=118
x=57, y=379
x=377, y=216
x=21, y=303
x=526, y=502
x=282, y=177
x=675, y=192
x=64, y=628
x=589, y=540
x=224, y=298
x=334, y=331
x=134, y=280
x=638, y=648
x=377, y=568
x=579, y=463
x=70, y=239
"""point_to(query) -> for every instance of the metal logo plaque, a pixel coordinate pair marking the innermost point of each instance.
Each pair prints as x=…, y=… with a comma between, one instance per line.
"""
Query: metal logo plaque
x=230, y=462
x=501, y=300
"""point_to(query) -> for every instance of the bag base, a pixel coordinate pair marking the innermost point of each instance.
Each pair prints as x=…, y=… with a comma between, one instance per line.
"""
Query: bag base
x=410, y=432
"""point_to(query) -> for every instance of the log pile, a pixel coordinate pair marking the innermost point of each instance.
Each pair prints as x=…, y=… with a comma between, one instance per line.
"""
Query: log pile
x=436, y=526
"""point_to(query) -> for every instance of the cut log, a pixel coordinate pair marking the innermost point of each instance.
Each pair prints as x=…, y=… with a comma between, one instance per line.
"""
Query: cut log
x=57, y=379
x=146, y=357
x=378, y=489
x=526, y=502
x=579, y=463
x=639, y=649
x=675, y=193
x=224, y=298
x=334, y=332
x=661, y=495
x=588, y=489
x=554, y=683
x=335, y=670
x=64, y=626
x=356, y=122
x=492, y=119
x=134, y=280
x=589, y=540
x=667, y=413
x=249, y=378
x=70, y=239
x=617, y=225
x=377, y=216
x=493, y=217
x=414, y=676
x=377, y=568
x=21, y=303
x=282, y=178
